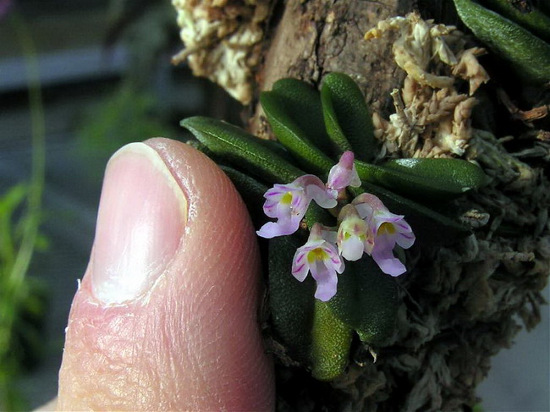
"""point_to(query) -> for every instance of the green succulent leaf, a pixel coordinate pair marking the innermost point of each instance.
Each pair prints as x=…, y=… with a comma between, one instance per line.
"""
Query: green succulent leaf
x=459, y=176
x=251, y=191
x=241, y=149
x=528, y=54
x=330, y=343
x=292, y=303
x=531, y=18
x=425, y=179
x=292, y=135
x=366, y=301
x=347, y=117
x=310, y=331
x=303, y=104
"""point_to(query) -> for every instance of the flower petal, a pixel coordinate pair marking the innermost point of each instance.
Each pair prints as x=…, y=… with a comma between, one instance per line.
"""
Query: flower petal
x=387, y=262
x=367, y=198
x=316, y=190
x=326, y=279
x=300, y=267
x=352, y=248
x=279, y=228
x=405, y=239
x=364, y=210
x=329, y=234
x=322, y=197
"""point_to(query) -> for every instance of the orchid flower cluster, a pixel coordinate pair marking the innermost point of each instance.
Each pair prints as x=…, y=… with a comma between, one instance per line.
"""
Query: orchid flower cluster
x=364, y=226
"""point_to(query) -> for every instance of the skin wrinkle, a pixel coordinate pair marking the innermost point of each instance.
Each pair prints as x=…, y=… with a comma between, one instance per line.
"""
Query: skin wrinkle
x=169, y=358
x=193, y=354
x=173, y=331
x=126, y=351
x=145, y=355
x=105, y=360
x=166, y=358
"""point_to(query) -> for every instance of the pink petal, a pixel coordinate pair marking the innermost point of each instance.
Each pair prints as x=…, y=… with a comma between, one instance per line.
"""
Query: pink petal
x=388, y=263
x=335, y=261
x=274, y=229
x=405, y=240
x=373, y=201
x=321, y=196
x=343, y=174
x=326, y=281
x=355, y=181
x=364, y=210
x=316, y=190
x=329, y=235
x=299, y=266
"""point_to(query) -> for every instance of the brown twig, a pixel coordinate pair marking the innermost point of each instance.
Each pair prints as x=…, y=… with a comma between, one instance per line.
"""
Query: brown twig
x=526, y=116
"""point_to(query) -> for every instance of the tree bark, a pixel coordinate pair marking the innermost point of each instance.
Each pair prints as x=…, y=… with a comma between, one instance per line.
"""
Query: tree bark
x=310, y=39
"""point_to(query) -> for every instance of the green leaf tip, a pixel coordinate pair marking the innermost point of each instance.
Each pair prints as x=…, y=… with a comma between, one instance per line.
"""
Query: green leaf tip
x=347, y=117
x=241, y=149
x=331, y=342
x=293, y=135
x=425, y=179
x=528, y=54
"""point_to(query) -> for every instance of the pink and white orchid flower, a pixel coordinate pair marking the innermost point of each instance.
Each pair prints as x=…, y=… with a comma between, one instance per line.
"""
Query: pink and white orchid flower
x=387, y=230
x=353, y=234
x=288, y=204
x=321, y=258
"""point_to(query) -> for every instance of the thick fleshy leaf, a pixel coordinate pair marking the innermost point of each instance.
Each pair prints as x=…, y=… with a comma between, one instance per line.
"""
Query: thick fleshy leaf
x=291, y=134
x=528, y=17
x=366, y=301
x=330, y=344
x=347, y=117
x=252, y=192
x=527, y=54
x=303, y=105
x=453, y=176
x=291, y=302
x=241, y=149
x=425, y=180
x=310, y=333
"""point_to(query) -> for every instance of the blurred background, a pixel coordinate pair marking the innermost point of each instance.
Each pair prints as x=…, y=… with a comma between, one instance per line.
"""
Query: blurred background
x=79, y=79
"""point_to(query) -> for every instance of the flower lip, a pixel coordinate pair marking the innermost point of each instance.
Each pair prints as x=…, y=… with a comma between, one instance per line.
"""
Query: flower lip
x=353, y=235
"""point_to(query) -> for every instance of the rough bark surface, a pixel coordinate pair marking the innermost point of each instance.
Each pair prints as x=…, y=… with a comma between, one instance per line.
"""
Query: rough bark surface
x=312, y=38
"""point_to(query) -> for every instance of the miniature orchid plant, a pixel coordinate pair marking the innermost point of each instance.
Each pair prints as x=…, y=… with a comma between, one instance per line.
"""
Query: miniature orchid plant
x=350, y=250
x=365, y=226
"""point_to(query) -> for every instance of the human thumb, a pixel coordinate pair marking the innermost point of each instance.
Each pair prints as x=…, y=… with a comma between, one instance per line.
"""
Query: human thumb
x=166, y=315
